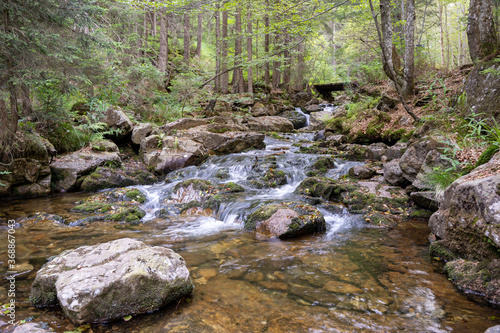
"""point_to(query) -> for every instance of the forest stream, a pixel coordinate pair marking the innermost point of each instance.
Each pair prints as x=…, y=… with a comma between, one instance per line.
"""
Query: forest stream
x=352, y=278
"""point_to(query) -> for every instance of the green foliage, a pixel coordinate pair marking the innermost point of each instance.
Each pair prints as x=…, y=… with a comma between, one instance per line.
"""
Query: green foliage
x=439, y=179
x=66, y=137
x=492, y=70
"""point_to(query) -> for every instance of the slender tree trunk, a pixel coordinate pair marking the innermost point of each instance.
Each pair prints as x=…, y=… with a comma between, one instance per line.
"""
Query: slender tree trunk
x=238, y=49
x=199, y=34
x=266, y=45
x=287, y=60
x=276, y=65
x=187, y=38
x=224, y=79
x=300, y=66
x=409, y=55
x=447, y=35
x=441, y=32
x=386, y=27
x=163, y=55
x=481, y=32
x=249, y=49
x=153, y=23
x=217, y=49
x=26, y=100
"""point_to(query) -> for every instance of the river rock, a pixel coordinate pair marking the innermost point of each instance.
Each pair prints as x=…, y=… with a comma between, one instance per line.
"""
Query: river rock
x=493, y=329
x=111, y=280
x=375, y=151
x=336, y=140
x=163, y=155
x=181, y=124
x=298, y=119
x=361, y=172
x=412, y=160
x=433, y=160
x=426, y=199
x=118, y=121
x=286, y=220
x=259, y=110
x=32, y=328
x=396, y=151
x=387, y=103
x=268, y=124
x=228, y=143
x=105, y=145
x=313, y=108
x=26, y=177
x=468, y=219
x=393, y=174
x=140, y=132
x=104, y=177
x=69, y=168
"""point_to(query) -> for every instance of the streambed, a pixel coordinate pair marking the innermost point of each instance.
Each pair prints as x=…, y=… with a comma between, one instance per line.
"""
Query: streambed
x=351, y=278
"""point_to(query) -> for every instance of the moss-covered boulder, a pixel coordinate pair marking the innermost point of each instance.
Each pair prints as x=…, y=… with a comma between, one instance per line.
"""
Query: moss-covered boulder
x=286, y=220
x=198, y=197
x=105, y=177
x=380, y=204
x=111, y=280
x=41, y=220
x=479, y=280
x=118, y=205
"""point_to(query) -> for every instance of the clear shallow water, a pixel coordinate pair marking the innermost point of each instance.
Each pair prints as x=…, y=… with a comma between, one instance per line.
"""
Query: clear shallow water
x=349, y=279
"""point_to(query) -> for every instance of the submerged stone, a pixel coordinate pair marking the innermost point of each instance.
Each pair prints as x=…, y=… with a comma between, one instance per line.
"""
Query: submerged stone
x=286, y=220
x=111, y=280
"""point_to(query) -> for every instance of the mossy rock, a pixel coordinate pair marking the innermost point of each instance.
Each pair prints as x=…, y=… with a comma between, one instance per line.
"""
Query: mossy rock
x=92, y=207
x=437, y=249
x=128, y=215
x=197, y=184
x=325, y=188
x=222, y=173
x=231, y=187
x=136, y=195
x=323, y=164
x=286, y=220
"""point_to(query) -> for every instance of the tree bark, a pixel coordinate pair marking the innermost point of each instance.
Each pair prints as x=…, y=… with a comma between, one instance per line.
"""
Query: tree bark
x=481, y=32
x=199, y=34
x=26, y=100
x=287, y=60
x=276, y=66
x=409, y=54
x=224, y=79
x=238, y=49
x=187, y=38
x=266, y=45
x=300, y=66
x=249, y=50
x=163, y=55
x=441, y=32
x=217, y=85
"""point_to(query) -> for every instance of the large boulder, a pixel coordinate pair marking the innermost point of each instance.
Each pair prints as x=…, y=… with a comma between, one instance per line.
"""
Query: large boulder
x=396, y=151
x=105, y=177
x=298, y=118
x=140, y=132
x=181, y=124
x=415, y=156
x=25, y=178
x=229, y=142
x=393, y=174
x=434, y=160
x=68, y=170
x=163, y=155
x=259, y=110
x=286, y=220
x=119, y=122
x=481, y=90
x=111, y=280
x=268, y=124
x=468, y=219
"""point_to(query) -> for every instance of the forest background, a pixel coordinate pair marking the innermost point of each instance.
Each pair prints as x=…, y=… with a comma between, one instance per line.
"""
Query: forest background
x=164, y=60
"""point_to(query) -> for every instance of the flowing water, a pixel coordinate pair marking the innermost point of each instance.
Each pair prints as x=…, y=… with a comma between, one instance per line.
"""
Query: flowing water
x=349, y=279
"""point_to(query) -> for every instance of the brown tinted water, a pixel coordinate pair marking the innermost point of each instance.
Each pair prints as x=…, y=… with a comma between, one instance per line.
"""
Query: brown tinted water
x=349, y=279
x=364, y=280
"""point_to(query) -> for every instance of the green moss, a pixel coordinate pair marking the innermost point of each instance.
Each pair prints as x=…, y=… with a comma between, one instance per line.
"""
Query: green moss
x=232, y=187
x=136, y=195
x=198, y=184
x=261, y=214
x=436, y=249
x=92, y=207
x=487, y=155
x=128, y=215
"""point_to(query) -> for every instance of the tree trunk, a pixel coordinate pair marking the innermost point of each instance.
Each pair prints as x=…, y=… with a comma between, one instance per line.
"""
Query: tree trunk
x=266, y=45
x=26, y=100
x=217, y=49
x=447, y=35
x=441, y=32
x=199, y=34
x=249, y=50
x=481, y=29
x=238, y=49
x=409, y=55
x=300, y=66
x=287, y=60
x=224, y=79
x=187, y=38
x=276, y=66
x=163, y=55
x=153, y=23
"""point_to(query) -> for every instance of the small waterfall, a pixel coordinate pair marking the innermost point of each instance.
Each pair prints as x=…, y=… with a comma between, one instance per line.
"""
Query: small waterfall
x=299, y=110
x=244, y=169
